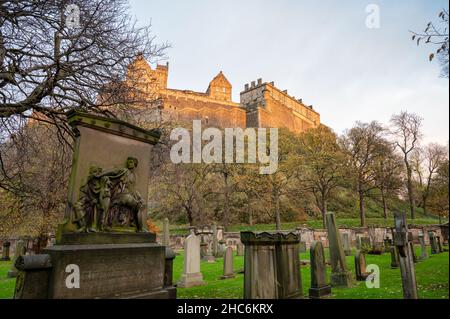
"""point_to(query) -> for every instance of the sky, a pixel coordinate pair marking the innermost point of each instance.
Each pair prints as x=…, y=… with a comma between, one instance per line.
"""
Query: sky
x=320, y=51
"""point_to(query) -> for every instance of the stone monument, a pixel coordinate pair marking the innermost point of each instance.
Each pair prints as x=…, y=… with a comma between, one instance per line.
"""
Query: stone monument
x=346, y=243
x=433, y=243
x=439, y=244
x=271, y=265
x=423, y=247
x=5, y=252
x=360, y=266
x=407, y=269
x=191, y=271
x=239, y=249
x=319, y=285
x=19, y=251
x=340, y=276
x=103, y=245
x=394, y=257
x=228, y=271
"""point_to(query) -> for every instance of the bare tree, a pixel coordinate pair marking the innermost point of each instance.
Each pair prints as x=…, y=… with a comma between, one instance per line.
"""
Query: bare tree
x=57, y=55
x=406, y=131
x=436, y=34
x=426, y=163
x=362, y=145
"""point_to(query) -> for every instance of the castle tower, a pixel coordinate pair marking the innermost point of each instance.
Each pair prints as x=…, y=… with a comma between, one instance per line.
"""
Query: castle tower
x=220, y=88
x=140, y=73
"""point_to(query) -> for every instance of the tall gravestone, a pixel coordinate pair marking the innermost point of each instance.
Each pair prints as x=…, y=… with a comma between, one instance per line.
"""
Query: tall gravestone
x=271, y=265
x=340, y=275
x=5, y=252
x=228, y=271
x=394, y=257
x=346, y=243
x=360, y=266
x=191, y=272
x=239, y=249
x=439, y=244
x=433, y=243
x=19, y=251
x=166, y=233
x=402, y=240
x=103, y=236
x=319, y=285
x=423, y=247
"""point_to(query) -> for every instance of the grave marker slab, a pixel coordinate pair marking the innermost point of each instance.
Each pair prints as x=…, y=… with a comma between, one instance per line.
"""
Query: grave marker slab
x=319, y=285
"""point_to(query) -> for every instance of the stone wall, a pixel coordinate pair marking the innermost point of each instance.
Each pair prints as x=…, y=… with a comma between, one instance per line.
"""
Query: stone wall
x=308, y=235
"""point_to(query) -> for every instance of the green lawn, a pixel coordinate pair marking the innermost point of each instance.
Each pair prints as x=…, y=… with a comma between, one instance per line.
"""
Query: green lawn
x=432, y=278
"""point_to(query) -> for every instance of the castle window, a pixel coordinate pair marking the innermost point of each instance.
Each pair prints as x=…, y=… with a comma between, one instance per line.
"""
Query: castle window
x=224, y=90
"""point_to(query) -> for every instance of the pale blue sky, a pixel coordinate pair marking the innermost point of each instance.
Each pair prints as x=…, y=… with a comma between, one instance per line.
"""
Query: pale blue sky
x=320, y=51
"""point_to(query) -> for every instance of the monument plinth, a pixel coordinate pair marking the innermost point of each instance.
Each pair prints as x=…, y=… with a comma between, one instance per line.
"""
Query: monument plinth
x=103, y=248
x=272, y=265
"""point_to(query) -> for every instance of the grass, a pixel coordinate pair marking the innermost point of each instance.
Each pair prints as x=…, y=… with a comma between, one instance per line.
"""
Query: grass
x=432, y=279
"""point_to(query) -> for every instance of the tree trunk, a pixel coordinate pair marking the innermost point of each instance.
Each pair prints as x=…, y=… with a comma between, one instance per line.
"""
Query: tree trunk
x=226, y=210
x=410, y=190
x=362, y=212
x=324, y=211
x=249, y=214
x=385, y=208
x=277, y=211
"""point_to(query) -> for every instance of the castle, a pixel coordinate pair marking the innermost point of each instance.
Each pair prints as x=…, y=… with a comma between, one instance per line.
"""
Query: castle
x=261, y=103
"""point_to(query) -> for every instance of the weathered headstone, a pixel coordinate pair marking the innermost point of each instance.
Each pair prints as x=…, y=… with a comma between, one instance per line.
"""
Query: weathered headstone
x=221, y=248
x=433, y=242
x=19, y=251
x=439, y=244
x=340, y=276
x=302, y=247
x=104, y=235
x=394, y=257
x=240, y=249
x=413, y=250
x=5, y=252
x=166, y=233
x=319, y=285
x=407, y=269
x=191, y=272
x=203, y=249
x=228, y=271
x=346, y=243
x=360, y=266
x=272, y=265
x=423, y=247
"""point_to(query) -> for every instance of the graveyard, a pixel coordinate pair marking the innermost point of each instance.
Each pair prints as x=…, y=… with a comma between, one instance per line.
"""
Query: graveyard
x=432, y=278
x=118, y=182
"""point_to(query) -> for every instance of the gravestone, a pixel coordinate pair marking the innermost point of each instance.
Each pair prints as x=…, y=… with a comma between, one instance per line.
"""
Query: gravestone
x=402, y=242
x=423, y=247
x=302, y=247
x=221, y=248
x=103, y=236
x=439, y=244
x=413, y=250
x=5, y=252
x=346, y=243
x=272, y=265
x=240, y=249
x=191, y=272
x=394, y=257
x=228, y=271
x=19, y=251
x=340, y=276
x=166, y=233
x=433, y=243
x=203, y=249
x=319, y=286
x=360, y=266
